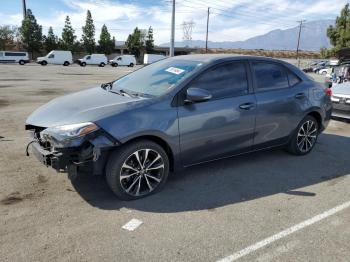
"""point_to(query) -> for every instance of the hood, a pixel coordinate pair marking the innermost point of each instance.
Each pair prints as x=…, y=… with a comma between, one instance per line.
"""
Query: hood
x=40, y=58
x=85, y=106
x=341, y=89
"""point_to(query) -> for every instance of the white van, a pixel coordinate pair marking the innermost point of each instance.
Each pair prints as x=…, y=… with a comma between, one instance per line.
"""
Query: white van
x=151, y=58
x=14, y=57
x=123, y=60
x=93, y=59
x=57, y=57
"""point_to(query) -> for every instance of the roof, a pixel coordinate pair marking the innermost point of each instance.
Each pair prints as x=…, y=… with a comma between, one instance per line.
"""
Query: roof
x=217, y=57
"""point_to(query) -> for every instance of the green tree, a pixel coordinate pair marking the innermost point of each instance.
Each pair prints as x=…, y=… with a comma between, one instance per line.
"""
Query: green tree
x=149, y=43
x=339, y=35
x=68, y=36
x=135, y=43
x=88, y=36
x=31, y=33
x=50, y=41
x=7, y=35
x=106, y=44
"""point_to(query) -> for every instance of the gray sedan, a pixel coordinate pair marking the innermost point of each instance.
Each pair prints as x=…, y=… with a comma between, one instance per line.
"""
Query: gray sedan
x=177, y=113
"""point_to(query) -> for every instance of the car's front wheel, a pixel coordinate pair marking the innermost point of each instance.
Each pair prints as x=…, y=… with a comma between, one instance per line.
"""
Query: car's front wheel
x=305, y=137
x=137, y=170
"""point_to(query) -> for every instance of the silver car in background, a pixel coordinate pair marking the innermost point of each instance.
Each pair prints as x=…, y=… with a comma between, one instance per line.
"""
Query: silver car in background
x=341, y=100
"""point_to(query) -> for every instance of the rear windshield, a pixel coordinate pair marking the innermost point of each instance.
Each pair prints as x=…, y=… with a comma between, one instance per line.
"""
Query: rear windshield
x=158, y=78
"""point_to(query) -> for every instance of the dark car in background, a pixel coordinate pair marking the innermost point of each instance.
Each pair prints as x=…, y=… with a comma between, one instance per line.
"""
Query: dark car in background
x=177, y=113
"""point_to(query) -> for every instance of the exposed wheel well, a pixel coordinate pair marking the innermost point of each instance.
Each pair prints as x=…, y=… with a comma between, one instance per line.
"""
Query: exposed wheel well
x=318, y=117
x=160, y=142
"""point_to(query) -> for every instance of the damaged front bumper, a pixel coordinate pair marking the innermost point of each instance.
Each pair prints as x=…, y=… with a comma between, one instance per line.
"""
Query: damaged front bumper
x=90, y=156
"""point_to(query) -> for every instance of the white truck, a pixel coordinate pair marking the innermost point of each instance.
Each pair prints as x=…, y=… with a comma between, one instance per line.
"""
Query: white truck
x=93, y=59
x=123, y=60
x=151, y=58
x=14, y=57
x=56, y=57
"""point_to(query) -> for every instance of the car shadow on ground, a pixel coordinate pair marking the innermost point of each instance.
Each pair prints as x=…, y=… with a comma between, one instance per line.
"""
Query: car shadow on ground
x=233, y=180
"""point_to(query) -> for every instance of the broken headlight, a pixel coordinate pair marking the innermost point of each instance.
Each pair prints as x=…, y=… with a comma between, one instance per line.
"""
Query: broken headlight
x=68, y=135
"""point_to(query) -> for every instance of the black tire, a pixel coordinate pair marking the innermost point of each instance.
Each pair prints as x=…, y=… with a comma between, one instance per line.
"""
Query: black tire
x=102, y=64
x=66, y=63
x=21, y=62
x=125, y=154
x=302, y=142
x=44, y=63
x=83, y=64
x=115, y=65
x=131, y=64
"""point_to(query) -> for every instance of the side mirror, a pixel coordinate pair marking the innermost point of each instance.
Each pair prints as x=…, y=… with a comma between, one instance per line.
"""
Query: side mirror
x=195, y=95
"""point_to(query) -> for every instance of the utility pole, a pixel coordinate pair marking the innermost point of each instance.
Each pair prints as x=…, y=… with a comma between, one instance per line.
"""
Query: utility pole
x=24, y=8
x=300, y=27
x=206, y=38
x=172, y=39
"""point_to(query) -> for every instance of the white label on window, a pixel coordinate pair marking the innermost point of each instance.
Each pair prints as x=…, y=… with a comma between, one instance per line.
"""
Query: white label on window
x=174, y=70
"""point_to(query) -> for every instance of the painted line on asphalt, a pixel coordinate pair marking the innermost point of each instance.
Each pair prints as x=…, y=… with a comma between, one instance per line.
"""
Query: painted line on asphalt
x=132, y=224
x=284, y=233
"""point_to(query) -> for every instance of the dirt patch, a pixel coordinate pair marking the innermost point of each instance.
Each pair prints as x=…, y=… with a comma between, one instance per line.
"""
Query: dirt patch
x=47, y=92
x=14, y=198
x=13, y=79
x=42, y=179
x=44, y=80
x=4, y=102
x=75, y=74
x=3, y=86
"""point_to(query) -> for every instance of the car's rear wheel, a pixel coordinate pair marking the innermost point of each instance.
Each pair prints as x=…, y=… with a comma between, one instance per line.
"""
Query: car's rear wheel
x=137, y=170
x=131, y=64
x=102, y=64
x=66, y=63
x=21, y=62
x=305, y=137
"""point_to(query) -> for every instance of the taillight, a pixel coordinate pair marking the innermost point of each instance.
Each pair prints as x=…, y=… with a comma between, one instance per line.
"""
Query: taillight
x=328, y=92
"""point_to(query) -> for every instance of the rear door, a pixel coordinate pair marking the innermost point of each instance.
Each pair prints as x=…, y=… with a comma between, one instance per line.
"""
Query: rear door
x=281, y=102
x=223, y=125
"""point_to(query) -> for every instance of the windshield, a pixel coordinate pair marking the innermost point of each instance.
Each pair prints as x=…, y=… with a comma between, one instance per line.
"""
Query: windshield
x=158, y=78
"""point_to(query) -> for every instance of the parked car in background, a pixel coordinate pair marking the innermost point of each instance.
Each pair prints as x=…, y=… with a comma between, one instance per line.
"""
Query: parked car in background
x=151, y=58
x=325, y=71
x=57, y=57
x=93, y=59
x=14, y=57
x=176, y=113
x=341, y=100
x=123, y=60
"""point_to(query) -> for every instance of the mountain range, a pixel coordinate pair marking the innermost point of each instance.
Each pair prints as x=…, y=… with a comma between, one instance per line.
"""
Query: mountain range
x=313, y=38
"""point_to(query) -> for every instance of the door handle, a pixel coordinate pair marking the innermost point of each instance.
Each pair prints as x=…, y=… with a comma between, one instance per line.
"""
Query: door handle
x=247, y=106
x=300, y=96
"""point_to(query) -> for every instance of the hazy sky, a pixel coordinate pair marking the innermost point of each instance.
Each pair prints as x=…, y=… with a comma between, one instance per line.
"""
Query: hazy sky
x=229, y=20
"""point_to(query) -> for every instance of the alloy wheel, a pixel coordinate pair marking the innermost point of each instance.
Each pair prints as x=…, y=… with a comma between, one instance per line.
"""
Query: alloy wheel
x=142, y=172
x=307, y=136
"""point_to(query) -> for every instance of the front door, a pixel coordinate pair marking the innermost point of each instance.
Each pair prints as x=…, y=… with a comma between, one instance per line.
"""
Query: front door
x=222, y=126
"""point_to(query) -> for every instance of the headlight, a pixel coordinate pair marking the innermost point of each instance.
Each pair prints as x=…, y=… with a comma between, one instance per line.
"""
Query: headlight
x=62, y=135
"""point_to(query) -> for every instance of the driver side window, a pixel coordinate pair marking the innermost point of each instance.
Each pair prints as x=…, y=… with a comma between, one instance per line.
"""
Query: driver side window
x=223, y=81
x=88, y=57
x=52, y=56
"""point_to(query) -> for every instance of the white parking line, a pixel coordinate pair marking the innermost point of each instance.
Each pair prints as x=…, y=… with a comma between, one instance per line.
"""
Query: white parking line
x=132, y=224
x=284, y=233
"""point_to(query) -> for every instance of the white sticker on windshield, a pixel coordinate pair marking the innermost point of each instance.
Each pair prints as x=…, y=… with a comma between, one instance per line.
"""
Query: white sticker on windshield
x=174, y=70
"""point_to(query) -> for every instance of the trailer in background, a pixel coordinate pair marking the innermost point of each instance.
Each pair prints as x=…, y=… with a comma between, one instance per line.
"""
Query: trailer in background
x=151, y=58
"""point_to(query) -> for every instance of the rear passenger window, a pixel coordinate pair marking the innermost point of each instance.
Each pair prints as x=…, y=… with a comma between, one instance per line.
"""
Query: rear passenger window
x=270, y=76
x=293, y=79
x=223, y=81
